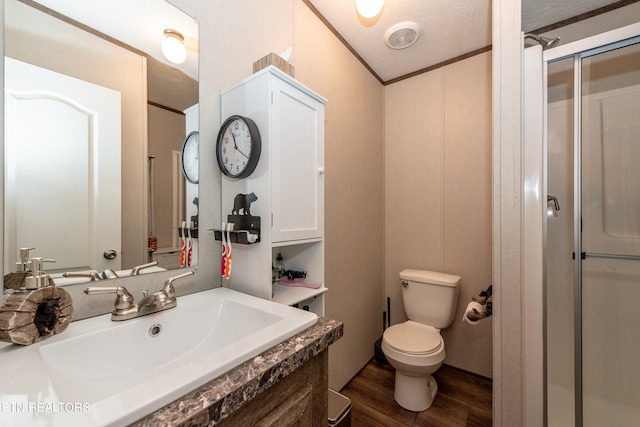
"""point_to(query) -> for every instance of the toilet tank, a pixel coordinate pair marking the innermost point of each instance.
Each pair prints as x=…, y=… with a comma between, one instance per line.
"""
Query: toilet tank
x=430, y=297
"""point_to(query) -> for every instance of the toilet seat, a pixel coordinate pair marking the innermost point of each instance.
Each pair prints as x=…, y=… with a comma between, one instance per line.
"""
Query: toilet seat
x=413, y=338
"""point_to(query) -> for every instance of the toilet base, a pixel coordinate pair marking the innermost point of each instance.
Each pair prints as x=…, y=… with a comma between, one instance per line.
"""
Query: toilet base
x=414, y=393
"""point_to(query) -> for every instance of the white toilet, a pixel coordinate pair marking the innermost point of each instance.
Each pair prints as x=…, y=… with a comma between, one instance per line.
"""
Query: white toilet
x=415, y=348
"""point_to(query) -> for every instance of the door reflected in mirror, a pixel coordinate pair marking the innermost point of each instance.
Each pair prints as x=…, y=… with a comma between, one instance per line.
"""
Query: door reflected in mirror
x=95, y=122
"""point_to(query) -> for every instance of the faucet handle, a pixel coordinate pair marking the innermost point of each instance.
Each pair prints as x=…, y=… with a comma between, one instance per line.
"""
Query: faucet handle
x=136, y=270
x=168, y=285
x=124, y=300
x=36, y=264
x=94, y=276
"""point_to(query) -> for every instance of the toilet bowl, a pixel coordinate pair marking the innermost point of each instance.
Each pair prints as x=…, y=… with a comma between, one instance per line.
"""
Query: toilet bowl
x=415, y=348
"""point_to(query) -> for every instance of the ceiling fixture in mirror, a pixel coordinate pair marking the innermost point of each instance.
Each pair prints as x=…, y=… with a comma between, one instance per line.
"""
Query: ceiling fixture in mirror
x=90, y=99
x=173, y=46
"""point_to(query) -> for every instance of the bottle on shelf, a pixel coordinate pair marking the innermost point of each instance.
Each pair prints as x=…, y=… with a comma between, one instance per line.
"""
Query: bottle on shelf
x=279, y=267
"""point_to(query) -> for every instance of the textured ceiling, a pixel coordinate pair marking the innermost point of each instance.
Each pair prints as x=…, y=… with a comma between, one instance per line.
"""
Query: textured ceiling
x=449, y=28
x=540, y=13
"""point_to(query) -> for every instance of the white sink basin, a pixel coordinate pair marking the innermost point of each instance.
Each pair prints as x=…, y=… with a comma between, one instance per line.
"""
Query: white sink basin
x=100, y=372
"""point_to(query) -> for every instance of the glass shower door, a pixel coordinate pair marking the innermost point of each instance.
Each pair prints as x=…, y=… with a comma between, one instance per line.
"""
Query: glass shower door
x=559, y=265
x=609, y=294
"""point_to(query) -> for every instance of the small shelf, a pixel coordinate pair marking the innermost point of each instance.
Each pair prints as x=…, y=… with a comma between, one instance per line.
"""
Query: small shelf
x=239, y=236
x=243, y=224
x=289, y=295
x=295, y=242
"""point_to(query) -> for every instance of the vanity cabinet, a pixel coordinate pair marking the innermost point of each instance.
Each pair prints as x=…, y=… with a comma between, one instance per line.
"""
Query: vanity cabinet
x=301, y=399
x=288, y=183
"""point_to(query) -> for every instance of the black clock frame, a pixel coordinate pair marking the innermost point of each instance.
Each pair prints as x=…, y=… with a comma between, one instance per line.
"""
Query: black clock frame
x=256, y=146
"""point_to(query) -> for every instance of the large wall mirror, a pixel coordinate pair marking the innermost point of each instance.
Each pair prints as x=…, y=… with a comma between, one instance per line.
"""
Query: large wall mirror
x=95, y=122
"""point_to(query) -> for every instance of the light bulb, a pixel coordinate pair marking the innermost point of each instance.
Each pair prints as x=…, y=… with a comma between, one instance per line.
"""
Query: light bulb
x=369, y=8
x=172, y=47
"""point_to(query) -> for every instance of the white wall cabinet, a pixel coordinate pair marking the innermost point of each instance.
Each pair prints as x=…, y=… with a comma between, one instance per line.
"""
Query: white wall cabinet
x=288, y=183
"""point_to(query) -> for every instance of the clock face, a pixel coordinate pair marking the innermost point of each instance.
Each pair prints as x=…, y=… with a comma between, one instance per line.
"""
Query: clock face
x=190, y=157
x=238, y=147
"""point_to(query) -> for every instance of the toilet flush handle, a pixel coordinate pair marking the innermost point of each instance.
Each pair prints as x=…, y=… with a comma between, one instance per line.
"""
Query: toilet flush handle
x=405, y=283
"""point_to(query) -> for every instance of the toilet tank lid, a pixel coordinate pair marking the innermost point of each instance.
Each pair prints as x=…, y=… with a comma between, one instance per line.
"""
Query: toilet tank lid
x=432, y=277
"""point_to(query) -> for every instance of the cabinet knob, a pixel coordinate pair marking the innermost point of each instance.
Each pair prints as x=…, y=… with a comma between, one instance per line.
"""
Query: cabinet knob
x=321, y=170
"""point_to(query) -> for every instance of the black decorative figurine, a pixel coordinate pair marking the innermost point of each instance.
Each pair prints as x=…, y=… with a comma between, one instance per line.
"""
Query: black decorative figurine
x=243, y=202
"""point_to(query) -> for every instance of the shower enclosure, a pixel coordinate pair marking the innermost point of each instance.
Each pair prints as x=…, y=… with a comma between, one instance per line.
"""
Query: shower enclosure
x=591, y=231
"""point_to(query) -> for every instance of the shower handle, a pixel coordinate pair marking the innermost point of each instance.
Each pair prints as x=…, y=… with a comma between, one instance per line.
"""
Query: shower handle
x=553, y=199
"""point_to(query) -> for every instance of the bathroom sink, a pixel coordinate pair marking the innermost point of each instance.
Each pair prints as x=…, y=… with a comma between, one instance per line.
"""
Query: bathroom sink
x=113, y=373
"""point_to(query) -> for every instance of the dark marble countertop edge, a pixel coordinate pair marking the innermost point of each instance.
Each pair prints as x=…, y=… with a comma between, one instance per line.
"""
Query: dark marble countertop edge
x=222, y=396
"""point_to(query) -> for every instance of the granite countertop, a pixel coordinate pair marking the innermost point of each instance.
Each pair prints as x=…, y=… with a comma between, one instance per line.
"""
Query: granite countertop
x=222, y=396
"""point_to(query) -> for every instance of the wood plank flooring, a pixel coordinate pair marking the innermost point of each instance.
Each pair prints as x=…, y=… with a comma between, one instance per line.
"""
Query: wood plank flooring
x=463, y=399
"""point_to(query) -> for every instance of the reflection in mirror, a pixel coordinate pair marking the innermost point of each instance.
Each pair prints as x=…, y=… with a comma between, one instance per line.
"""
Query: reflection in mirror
x=95, y=121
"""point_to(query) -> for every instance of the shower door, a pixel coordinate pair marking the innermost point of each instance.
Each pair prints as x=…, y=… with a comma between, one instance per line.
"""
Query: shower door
x=593, y=243
x=610, y=205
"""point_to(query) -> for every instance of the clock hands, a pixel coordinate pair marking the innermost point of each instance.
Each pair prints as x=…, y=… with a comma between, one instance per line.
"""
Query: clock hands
x=235, y=145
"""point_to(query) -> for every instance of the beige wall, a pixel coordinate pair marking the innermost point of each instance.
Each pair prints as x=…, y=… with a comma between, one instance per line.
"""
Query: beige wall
x=166, y=135
x=438, y=192
x=353, y=196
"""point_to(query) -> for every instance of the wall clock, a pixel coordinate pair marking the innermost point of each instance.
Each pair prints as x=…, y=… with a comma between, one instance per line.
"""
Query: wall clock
x=238, y=147
x=190, y=156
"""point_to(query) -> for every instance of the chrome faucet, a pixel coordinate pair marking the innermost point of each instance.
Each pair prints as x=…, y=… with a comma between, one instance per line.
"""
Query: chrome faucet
x=135, y=271
x=126, y=308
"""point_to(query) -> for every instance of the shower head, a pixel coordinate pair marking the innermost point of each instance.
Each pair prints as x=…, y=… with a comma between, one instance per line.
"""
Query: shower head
x=545, y=42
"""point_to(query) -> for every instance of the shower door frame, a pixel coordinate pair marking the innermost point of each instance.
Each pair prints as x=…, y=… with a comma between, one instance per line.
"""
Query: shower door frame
x=577, y=51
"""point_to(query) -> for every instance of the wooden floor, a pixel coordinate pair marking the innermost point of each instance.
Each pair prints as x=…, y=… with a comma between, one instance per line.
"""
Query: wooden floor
x=463, y=399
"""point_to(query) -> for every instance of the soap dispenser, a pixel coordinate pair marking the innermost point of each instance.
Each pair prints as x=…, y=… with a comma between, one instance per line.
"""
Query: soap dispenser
x=23, y=264
x=38, y=278
x=15, y=280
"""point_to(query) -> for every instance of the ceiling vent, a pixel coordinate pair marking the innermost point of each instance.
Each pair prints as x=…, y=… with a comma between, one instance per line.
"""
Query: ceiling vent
x=402, y=35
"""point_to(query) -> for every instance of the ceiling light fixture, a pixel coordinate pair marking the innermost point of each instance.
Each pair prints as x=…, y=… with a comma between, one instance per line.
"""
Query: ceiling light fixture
x=369, y=8
x=173, y=47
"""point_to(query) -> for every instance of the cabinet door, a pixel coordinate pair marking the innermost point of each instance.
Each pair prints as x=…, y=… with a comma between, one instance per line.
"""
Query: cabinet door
x=297, y=165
